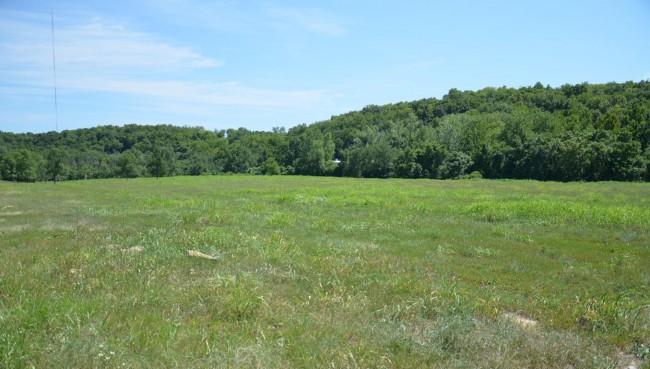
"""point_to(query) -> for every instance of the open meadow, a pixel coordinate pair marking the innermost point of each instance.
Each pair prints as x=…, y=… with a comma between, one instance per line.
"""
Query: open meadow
x=315, y=272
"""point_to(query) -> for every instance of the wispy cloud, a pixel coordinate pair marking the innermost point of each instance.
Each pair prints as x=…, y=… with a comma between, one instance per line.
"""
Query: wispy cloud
x=311, y=20
x=191, y=92
x=225, y=16
x=96, y=46
x=110, y=45
x=102, y=55
x=250, y=17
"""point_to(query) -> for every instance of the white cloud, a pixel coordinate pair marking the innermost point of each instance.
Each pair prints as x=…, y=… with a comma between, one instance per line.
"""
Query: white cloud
x=191, y=92
x=102, y=44
x=104, y=56
x=91, y=47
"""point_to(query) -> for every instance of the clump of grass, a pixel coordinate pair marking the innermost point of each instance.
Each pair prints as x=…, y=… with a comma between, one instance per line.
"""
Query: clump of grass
x=616, y=314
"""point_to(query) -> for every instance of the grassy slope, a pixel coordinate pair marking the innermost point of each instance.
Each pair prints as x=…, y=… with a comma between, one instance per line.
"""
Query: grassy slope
x=323, y=272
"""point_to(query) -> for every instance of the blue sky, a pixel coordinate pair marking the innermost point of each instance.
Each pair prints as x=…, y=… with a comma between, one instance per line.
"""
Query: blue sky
x=263, y=64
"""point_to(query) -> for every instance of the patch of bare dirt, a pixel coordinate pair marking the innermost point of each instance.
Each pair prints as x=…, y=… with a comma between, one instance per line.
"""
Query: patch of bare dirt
x=628, y=361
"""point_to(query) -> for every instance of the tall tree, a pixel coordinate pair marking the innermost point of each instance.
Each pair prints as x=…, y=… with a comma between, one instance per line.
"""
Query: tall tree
x=455, y=165
x=19, y=165
x=129, y=164
x=313, y=152
x=25, y=166
x=161, y=162
x=56, y=164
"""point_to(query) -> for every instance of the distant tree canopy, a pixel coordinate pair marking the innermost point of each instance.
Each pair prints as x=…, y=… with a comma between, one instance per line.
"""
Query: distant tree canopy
x=583, y=132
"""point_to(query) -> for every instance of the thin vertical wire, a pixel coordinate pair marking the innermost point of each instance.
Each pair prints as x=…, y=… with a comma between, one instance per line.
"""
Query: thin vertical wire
x=56, y=103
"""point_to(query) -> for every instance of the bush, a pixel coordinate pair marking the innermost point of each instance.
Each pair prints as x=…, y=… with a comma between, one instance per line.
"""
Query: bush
x=474, y=175
x=270, y=167
x=455, y=165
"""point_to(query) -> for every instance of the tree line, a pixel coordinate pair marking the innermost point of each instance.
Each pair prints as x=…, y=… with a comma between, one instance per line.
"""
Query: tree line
x=583, y=132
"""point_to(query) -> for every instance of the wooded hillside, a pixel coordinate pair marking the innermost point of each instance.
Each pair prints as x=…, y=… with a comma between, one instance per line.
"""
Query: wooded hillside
x=583, y=132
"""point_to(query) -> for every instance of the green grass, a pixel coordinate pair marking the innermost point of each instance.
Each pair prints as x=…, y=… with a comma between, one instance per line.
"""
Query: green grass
x=323, y=272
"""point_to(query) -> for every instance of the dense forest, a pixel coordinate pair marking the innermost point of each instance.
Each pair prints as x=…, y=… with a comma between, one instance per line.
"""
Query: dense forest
x=584, y=132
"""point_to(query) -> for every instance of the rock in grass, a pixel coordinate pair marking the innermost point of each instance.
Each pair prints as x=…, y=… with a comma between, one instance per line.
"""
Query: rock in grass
x=521, y=320
x=133, y=250
x=199, y=254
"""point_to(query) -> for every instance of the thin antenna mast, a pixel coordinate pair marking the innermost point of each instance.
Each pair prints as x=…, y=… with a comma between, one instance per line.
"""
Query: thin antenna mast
x=56, y=103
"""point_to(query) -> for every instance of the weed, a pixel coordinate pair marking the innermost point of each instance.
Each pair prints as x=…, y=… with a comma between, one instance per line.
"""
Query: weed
x=609, y=314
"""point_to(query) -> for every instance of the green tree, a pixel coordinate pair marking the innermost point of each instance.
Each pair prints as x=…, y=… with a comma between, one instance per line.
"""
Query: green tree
x=25, y=166
x=8, y=166
x=455, y=165
x=56, y=164
x=470, y=132
x=407, y=165
x=129, y=164
x=197, y=163
x=239, y=158
x=626, y=158
x=575, y=132
x=313, y=151
x=270, y=166
x=646, y=158
x=375, y=159
x=19, y=165
x=160, y=162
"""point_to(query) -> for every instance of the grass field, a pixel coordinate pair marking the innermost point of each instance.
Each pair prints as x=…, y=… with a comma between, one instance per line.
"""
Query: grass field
x=324, y=273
